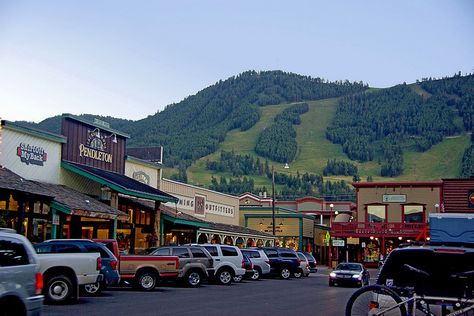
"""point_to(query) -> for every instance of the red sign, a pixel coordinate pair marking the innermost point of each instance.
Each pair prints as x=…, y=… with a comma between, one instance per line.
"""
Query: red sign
x=31, y=154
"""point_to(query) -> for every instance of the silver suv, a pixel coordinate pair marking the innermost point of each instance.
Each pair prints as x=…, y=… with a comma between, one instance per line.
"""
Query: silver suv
x=20, y=280
x=194, y=262
x=260, y=262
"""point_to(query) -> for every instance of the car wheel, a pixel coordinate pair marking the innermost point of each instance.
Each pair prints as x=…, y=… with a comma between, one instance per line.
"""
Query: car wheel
x=285, y=273
x=193, y=278
x=146, y=281
x=256, y=275
x=298, y=274
x=93, y=289
x=58, y=289
x=238, y=278
x=224, y=277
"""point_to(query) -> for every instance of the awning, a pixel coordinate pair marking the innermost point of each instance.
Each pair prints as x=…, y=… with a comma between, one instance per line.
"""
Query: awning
x=119, y=182
x=72, y=202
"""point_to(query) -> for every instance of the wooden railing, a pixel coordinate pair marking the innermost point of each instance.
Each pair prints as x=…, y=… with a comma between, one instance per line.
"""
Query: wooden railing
x=369, y=229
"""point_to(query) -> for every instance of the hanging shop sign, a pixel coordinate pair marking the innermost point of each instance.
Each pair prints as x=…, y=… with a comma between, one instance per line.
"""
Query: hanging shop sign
x=31, y=154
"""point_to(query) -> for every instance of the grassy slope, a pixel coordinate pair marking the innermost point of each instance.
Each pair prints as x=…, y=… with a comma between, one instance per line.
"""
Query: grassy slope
x=441, y=161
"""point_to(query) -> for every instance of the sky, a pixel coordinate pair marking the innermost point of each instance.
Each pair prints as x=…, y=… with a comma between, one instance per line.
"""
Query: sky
x=130, y=59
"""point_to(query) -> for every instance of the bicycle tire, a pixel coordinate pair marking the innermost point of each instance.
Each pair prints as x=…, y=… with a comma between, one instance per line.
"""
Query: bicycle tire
x=371, y=299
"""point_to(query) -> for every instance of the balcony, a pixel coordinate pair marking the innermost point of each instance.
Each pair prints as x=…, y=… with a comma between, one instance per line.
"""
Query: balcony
x=355, y=229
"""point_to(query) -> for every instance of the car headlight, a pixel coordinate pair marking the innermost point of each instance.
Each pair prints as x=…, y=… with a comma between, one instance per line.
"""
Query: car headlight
x=332, y=274
x=357, y=276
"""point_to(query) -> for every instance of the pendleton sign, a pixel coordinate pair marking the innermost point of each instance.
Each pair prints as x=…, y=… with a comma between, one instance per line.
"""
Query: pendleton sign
x=94, y=154
x=93, y=144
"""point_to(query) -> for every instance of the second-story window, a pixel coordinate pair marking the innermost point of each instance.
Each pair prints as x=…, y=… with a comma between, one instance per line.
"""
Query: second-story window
x=413, y=214
x=376, y=213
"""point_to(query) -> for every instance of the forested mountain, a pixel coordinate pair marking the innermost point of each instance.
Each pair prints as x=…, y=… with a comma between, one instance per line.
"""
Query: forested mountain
x=194, y=127
x=378, y=125
x=385, y=122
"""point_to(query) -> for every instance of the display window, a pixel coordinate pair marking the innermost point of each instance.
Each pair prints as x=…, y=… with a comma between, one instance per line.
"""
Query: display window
x=413, y=214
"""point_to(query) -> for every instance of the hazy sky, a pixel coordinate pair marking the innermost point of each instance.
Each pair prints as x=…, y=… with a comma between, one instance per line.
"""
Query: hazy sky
x=130, y=59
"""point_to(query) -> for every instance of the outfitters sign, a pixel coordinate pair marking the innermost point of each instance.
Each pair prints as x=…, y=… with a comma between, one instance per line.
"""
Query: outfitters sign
x=31, y=154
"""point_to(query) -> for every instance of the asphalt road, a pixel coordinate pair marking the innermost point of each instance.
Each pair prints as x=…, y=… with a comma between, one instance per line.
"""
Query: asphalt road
x=306, y=296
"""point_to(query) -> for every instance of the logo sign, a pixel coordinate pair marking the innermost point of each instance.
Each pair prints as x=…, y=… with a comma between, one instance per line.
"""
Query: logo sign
x=95, y=147
x=141, y=177
x=471, y=199
x=199, y=205
x=394, y=198
x=338, y=242
x=30, y=154
x=352, y=240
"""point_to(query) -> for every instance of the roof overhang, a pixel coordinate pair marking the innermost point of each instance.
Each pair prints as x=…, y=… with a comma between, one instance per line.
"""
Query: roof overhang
x=119, y=183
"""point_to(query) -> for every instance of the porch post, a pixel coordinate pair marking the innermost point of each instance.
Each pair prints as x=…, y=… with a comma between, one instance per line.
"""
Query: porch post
x=54, y=227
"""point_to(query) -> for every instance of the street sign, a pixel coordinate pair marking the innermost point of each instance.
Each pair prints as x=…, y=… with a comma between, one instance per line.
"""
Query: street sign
x=328, y=238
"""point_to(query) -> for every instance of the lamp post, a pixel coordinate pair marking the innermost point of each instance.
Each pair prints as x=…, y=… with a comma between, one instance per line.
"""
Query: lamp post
x=331, y=206
x=273, y=205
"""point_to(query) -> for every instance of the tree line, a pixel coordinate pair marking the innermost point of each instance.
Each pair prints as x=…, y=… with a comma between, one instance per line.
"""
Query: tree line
x=386, y=122
x=292, y=186
x=278, y=142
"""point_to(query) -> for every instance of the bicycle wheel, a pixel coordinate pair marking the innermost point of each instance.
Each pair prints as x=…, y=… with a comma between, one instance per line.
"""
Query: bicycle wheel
x=373, y=300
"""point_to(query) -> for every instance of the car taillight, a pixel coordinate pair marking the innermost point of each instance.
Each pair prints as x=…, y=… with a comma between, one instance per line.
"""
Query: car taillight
x=243, y=263
x=99, y=263
x=113, y=264
x=211, y=262
x=38, y=283
x=267, y=261
x=177, y=264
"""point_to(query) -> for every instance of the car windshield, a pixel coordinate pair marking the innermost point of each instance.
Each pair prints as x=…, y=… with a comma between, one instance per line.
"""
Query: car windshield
x=349, y=266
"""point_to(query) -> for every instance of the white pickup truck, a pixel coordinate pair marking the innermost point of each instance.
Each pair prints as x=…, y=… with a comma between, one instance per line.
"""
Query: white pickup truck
x=63, y=273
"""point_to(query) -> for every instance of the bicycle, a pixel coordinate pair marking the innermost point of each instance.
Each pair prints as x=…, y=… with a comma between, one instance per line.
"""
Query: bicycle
x=375, y=300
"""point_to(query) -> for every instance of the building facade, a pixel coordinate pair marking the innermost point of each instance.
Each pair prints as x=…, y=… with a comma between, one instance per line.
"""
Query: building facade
x=388, y=213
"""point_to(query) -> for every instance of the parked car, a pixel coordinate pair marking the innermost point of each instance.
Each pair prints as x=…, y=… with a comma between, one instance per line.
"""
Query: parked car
x=65, y=273
x=439, y=260
x=313, y=265
x=249, y=269
x=194, y=262
x=109, y=270
x=283, y=261
x=349, y=273
x=228, y=262
x=260, y=261
x=21, y=281
x=143, y=271
x=304, y=265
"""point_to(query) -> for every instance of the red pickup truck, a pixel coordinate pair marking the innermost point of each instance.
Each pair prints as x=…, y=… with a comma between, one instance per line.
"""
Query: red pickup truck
x=143, y=271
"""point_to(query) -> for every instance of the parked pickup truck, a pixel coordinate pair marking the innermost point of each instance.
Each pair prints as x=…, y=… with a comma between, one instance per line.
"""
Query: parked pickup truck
x=143, y=271
x=63, y=273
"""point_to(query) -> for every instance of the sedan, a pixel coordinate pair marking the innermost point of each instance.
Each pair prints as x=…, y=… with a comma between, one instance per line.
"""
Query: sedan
x=349, y=273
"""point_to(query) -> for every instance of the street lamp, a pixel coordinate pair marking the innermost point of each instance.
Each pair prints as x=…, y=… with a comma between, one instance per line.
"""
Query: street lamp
x=331, y=206
x=273, y=204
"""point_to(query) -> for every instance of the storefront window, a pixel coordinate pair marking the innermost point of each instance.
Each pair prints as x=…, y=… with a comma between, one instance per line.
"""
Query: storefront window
x=376, y=213
x=372, y=252
x=413, y=214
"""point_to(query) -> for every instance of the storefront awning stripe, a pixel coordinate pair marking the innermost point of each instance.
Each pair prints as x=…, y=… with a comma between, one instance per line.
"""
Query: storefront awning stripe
x=120, y=183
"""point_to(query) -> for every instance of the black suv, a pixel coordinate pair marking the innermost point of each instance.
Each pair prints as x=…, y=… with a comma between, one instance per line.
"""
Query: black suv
x=439, y=262
x=109, y=261
x=283, y=261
